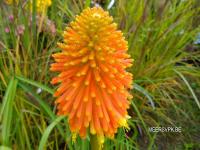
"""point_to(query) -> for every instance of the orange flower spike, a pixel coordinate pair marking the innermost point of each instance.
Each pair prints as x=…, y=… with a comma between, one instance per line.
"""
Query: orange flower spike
x=94, y=83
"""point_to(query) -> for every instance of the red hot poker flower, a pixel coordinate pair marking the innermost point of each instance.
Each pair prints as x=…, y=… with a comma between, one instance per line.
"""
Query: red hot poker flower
x=94, y=84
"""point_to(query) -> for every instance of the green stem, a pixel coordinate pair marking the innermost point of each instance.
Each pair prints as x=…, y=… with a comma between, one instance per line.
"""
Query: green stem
x=95, y=145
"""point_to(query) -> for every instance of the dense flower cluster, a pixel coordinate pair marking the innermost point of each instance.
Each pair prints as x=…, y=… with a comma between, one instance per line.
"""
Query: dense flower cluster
x=94, y=84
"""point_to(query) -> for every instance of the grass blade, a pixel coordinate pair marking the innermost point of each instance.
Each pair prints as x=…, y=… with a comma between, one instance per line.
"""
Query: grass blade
x=42, y=103
x=48, y=131
x=5, y=148
x=141, y=119
x=110, y=5
x=39, y=85
x=189, y=87
x=87, y=3
x=7, y=111
x=145, y=92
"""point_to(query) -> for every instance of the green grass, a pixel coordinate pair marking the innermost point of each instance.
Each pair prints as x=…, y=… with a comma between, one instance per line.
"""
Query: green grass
x=166, y=73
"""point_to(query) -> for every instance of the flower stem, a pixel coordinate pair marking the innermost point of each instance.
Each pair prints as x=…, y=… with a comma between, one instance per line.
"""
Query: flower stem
x=95, y=144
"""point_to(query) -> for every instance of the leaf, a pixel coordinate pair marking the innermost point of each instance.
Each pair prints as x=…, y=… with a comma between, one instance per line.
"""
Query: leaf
x=145, y=92
x=189, y=87
x=5, y=148
x=39, y=85
x=7, y=111
x=48, y=131
x=43, y=105
x=87, y=3
x=141, y=118
x=110, y=5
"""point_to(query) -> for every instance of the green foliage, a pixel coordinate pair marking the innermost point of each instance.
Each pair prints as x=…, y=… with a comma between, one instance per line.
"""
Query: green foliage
x=7, y=112
x=166, y=72
x=47, y=132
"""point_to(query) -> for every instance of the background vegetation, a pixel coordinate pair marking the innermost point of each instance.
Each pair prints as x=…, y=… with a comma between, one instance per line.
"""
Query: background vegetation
x=163, y=40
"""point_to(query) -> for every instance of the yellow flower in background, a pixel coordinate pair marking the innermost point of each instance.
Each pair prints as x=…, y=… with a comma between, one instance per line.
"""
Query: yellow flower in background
x=42, y=5
x=94, y=83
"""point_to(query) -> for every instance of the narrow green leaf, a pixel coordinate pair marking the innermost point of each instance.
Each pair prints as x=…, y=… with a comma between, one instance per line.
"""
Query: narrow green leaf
x=145, y=92
x=87, y=3
x=5, y=148
x=7, y=111
x=48, y=131
x=39, y=85
x=110, y=5
x=141, y=119
x=43, y=105
x=189, y=87
x=34, y=9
